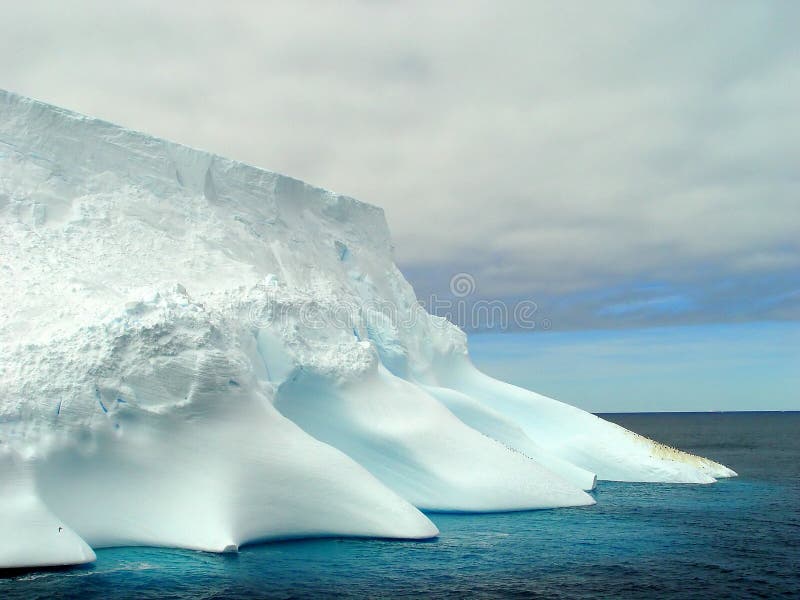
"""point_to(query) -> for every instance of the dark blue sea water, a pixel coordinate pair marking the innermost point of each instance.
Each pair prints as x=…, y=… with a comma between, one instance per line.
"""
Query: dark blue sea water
x=737, y=538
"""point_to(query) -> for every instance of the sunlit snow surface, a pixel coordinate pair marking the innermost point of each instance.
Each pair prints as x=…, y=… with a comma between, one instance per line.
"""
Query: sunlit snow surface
x=197, y=353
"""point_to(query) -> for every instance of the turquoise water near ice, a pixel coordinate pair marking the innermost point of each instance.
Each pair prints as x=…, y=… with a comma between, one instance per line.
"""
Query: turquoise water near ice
x=737, y=538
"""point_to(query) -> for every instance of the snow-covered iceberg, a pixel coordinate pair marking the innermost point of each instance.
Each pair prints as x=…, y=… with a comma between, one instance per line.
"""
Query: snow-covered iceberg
x=198, y=353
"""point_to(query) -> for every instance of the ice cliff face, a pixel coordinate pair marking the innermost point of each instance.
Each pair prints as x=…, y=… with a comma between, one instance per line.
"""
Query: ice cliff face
x=198, y=353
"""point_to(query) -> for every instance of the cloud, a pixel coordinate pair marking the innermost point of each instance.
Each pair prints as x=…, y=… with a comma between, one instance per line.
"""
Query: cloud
x=566, y=153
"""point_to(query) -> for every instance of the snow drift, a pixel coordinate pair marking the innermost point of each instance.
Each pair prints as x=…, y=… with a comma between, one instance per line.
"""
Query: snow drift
x=201, y=354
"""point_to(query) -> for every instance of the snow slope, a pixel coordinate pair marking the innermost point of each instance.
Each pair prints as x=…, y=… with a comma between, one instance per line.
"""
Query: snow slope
x=202, y=354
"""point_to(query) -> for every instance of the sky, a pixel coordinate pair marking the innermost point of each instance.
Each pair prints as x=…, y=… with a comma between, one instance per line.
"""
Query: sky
x=621, y=166
x=742, y=366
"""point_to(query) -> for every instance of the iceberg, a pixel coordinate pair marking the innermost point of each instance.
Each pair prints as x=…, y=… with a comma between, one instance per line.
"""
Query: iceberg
x=198, y=353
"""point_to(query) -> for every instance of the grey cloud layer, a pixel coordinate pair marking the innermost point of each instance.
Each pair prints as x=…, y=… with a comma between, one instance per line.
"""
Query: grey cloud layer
x=572, y=154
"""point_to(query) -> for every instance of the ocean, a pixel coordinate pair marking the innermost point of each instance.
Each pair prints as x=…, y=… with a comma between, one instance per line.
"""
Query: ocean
x=737, y=538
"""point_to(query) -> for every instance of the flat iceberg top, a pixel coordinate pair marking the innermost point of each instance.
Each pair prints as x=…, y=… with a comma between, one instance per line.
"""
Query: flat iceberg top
x=82, y=145
x=202, y=354
x=80, y=197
